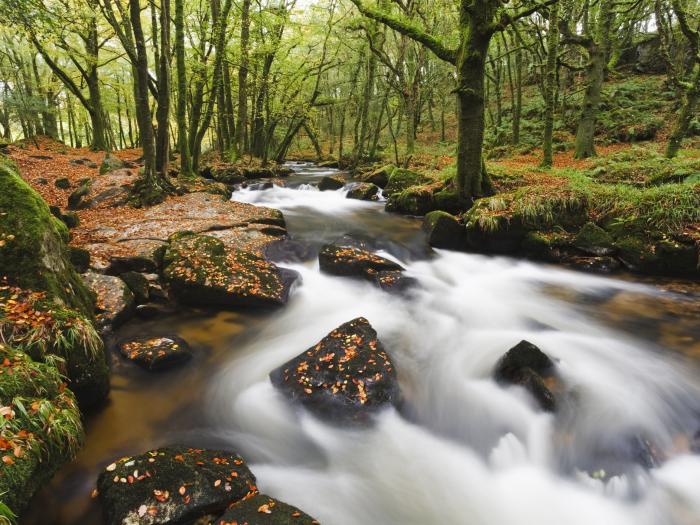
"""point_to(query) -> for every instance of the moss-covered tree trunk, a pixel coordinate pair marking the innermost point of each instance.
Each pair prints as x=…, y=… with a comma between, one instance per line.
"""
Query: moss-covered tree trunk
x=550, y=83
x=685, y=116
x=181, y=112
x=242, y=124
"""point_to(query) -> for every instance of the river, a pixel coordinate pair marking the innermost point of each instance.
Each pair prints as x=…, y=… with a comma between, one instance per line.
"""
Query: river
x=462, y=450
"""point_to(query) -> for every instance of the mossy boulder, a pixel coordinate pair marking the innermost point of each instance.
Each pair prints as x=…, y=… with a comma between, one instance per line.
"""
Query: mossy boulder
x=80, y=258
x=228, y=175
x=33, y=250
x=331, y=183
x=380, y=176
x=448, y=200
x=527, y=366
x=174, y=485
x=445, y=231
x=401, y=179
x=364, y=191
x=76, y=200
x=41, y=426
x=201, y=271
x=62, y=183
x=138, y=284
x=111, y=163
x=416, y=200
x=594, y=240
x=264, y=510
x=351, y=261
x=345, y=377
x=156, y=352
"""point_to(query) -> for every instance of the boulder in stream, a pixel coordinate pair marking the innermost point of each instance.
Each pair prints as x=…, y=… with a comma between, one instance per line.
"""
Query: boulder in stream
x=173, y=485
x=344, y=377
x=331, y=182
x=201, y=271
x=156, y=353
x=115, y=301
x=527, y=366
x=264, y=510
x=364, y=191
x=351, y=261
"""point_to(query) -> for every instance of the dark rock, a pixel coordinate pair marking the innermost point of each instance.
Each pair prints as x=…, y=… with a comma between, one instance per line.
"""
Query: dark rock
x=445, y=231
x=43, y=181
x=76, y=199
x=364, y=191
x=527, y=366
x=595, y=264
x=115, y=302
x=152, y=310
x=63, y=183
x=41, y=157
x=331, y=183
x=227, y=175
x=416, y=200
x=594, y=240
x=156, y=352
x=264, y=510
x=135, y=263
x=138, y=284
x=288, y=250
x=350, y=261
x=379, y=177
x=80, y=258
x=173, y=485
x=201, y=271
x=77, y=162
x=70, y=219
x=394, y=281
x=91, y=165
x=346, y=376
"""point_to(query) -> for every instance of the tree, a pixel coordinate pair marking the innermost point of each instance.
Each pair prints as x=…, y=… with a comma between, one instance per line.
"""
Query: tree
x=550, y=83
x=479, y=20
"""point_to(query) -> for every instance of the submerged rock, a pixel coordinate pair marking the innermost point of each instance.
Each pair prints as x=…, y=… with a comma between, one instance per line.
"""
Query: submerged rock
x=173, y=485
x=264, y=510
x=115, y=301
x=527, y=366
x=201, y=271
x=350, y=261
x=331, y=182
x=345, y=376
x=156, y=353
x=364, y=191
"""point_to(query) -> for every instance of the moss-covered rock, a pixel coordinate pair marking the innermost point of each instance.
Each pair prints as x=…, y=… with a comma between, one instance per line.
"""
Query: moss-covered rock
x=76, y=200
x=594, y=240
x=380, y=176
x=445, y=231
x=201, y=271
x=174, y=485
x=264, y=510
x=62, y=183
x=80, y=258
x=110, y=163
x=416, y=200
x=346, y=376
x=40, y=428
x=138, y=284
x=33, y=250
x=350, y=261
x=364, y=191
x=331, y=183
x=401, y=179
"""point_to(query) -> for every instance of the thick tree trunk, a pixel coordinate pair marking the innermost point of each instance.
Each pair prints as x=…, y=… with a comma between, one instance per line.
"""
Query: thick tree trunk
x=163, y=112
x=550, y=83
x=182, y=138
x=242, y=124
x=685, y=116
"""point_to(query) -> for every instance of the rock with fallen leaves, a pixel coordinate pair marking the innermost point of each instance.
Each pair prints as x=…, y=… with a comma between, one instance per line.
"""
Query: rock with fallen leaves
x=352, y=261
x=345, y=377
x=364, y=191
x=264, y=510
x=394, y=281
x=115, y=301
x=157, y=352
x=201, y=271
x=173, y=485
x=527, y=366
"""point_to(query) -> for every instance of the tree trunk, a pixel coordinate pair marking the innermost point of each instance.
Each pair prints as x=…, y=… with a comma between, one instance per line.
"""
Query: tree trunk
x=163, y=112
x=183, y=142
x=685, y=116
x=550, y=83
x=242, y=124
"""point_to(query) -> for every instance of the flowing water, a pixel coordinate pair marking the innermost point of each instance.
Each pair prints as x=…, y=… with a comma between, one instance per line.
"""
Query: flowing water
x=462, y=450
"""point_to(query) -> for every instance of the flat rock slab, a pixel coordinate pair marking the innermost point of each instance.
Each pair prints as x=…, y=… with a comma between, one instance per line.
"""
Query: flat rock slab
x=173, y=485
x=115, y=301
x=350, y=261
x=264, y=510
x=128, y=232
x=156, y=352
x=344, y=377
x=201, y=271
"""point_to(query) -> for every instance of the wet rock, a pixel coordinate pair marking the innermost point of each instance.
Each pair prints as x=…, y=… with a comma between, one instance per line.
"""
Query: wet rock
x=364, y=191
x=394, y=281
x=157, y=352
x=173, y=485
x=595, y=264
x=110, y=164
x=350, y=261
x=152, y=310
x=264, y=510
x=331, y=183
x=527, y=366
x=63, y=183
x=227, y=175
x=288, y=250
x=594, y=240
x=80, y=258
x=345, y=376
x=445, y=231
x=115, y=301
x=331, y=164
x=379, y=177
x=201, y=271
x=138, y=284
x=135, y=263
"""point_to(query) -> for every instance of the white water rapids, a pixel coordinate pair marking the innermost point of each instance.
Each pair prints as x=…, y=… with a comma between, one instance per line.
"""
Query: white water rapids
x=462, y=450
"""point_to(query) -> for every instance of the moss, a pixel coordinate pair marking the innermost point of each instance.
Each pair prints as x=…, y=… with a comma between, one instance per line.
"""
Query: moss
x=402, y=179
x=594, y=240
x=416, y=200
x=445, y=231
x=41, y=431
x=33, y=251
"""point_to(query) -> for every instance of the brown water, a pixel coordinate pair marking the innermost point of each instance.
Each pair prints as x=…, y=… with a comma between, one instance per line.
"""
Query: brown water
x=234, y=350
